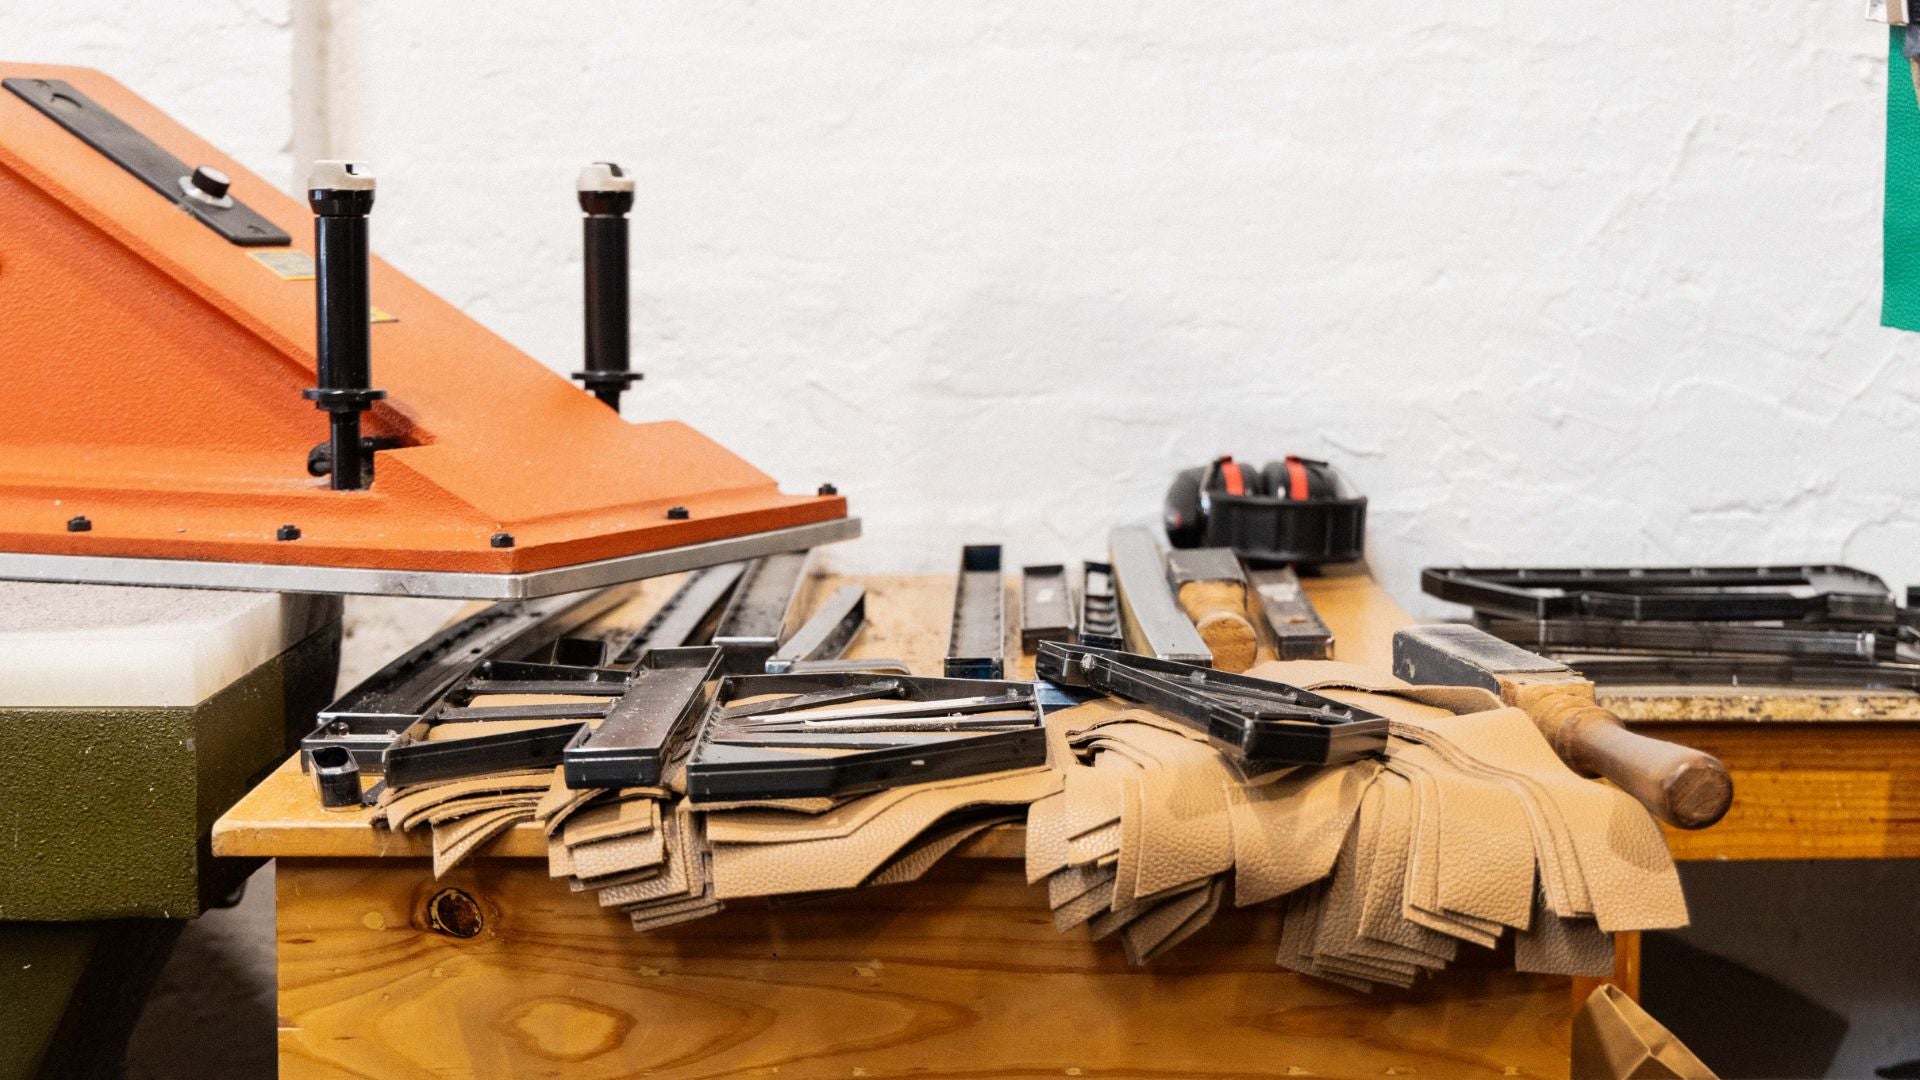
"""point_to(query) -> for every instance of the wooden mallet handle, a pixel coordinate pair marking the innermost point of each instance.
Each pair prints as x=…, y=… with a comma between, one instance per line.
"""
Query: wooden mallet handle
x=1686, y=788
x=1219, y=611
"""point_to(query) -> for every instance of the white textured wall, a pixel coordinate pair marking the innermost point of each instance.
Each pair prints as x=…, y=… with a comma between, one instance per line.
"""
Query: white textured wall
x=225, y=68
x=1585, y=289
x=1599, y=288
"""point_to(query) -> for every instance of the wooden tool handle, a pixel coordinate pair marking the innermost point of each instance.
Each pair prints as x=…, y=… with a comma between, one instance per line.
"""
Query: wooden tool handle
x=1684, y=787
x=1219, y=611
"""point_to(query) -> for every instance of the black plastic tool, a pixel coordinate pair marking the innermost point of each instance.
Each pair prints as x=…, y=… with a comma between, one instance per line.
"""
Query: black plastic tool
x=1816, y=625
x=824, y=742
x=341, y=194
x=606, y=197
x=1253, y=720
x=1686, y=593
x=656, y=714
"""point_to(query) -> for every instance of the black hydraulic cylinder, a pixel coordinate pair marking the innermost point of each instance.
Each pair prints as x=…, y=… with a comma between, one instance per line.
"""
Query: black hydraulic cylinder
x=341, y=194
x=606, y=196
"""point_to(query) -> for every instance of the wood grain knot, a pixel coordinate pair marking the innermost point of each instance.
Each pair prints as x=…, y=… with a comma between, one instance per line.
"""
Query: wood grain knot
x=454, y=913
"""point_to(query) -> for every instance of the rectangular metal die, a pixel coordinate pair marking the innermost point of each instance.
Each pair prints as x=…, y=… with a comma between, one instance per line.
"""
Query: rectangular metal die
x=976, y=648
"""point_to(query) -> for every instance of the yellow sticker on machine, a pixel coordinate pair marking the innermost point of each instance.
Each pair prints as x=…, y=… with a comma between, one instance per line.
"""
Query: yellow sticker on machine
x=289, y=264
x=292, y=265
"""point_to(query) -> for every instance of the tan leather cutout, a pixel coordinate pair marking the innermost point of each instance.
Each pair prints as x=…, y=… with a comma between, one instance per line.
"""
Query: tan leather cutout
x=843, y=862
x=611, y=820
x=452, y=846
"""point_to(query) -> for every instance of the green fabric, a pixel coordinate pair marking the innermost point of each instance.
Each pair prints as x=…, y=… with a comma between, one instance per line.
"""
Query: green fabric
x=1900, y=234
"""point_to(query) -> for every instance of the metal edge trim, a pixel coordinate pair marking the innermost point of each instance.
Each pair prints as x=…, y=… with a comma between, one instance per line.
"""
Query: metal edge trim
x=448, y=585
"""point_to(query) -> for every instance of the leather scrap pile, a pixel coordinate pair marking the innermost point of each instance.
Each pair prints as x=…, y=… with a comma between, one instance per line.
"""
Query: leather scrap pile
x=778, y=797
x=1140, y=824
x=1389, y=822
x=463, y=815
x=1468, y=826
x=634, y=848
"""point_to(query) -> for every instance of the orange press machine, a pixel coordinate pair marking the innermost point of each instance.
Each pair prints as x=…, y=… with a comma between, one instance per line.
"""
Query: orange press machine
x=207, y=384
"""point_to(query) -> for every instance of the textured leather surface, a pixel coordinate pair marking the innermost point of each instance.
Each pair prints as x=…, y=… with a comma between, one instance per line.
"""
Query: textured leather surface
x=767, y=868
x=399, y=807
x=930, y=848
x=608, y=821
x=452, y=846
x=618, y=856
x=1468, y=829
x=1287, y=833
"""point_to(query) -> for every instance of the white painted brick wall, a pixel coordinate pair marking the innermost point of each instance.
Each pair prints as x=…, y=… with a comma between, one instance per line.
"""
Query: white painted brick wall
x=1551, y=286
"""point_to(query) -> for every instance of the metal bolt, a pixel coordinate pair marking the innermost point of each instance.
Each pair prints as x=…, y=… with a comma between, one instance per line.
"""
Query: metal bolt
x=829, y=489
x=501, y=540
x=79, y=523
x=678, y=513
x=287, y=532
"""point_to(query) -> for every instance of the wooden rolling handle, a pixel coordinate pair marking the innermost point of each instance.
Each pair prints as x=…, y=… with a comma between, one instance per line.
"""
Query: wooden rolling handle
x=1685, y=788
x=1219, y=611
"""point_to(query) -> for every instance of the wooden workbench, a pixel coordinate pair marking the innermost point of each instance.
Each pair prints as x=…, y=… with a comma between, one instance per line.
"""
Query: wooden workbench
x=960, y=975
x=1817, y=774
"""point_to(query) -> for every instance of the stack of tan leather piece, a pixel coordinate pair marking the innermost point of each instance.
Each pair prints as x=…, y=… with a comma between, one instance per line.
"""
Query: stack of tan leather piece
x=463, y=814
x=678, y=860
x=1468, y=829
x=787, y=847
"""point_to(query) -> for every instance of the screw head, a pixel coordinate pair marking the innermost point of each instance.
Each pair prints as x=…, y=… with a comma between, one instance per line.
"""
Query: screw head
x=501, y=540
x=678, y=513
x=79, y=523
x=829, y=489
x=287, y=532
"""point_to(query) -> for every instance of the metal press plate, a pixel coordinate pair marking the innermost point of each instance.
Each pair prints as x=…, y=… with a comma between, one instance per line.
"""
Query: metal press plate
x=267, y=577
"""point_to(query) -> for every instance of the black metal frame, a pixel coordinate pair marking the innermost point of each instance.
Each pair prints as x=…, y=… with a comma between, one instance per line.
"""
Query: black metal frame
x=98, y=127
x=647, y=725
x=757, y=615
x=1046, y=605
x=1253, y=720
x=367, y=719
x=537, y=648
x=1819, y=626
x=977, y=644
x=922, y=732
x=1099, y=608
x=1292, y=623
x=1622, y=669
x=1683, y=593
x=1826, y=642
x=826, y=634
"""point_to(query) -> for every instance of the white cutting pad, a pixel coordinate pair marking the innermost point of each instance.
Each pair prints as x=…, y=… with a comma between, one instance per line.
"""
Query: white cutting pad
x=114, y=645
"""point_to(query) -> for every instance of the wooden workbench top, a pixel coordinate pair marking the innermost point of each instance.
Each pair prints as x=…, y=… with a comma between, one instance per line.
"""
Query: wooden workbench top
x=1835, y=778
x=907, y=619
